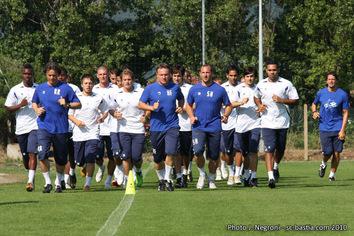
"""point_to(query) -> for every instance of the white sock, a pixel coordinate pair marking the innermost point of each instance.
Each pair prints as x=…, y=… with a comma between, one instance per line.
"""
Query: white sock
x=125, y=180
x=246, y=174
x=190, y=167
x=60, y=177
x=118, y=171
x=223, y=163
x=168, y=170
x=31, y=174
x=101, y=167
x=323, y=163
x=179, y=175
x=88, y=181
x=47, y=178
x=71, y=171
x=201, y=171
x=211, y=177
x=184, y=171
x=160, y=174
x=332, y=174
x=253, y=174
x=238, y=171
x=231, y=170
x=275, y=166
x=108, y=180
x=66, y=178
x=270, y=175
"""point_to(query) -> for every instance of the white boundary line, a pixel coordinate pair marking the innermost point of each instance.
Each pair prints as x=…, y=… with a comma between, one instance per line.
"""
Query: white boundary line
x=115, y=219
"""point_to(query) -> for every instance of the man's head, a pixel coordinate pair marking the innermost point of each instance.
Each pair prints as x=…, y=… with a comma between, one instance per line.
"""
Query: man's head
x=272, y=70
x=249, y=76
x=63, y=75
x=163, y=74
x=102, y=75
x=331, y=79
x=232, y=74
x=87, y=82
x=27, y=73
x=127, y=79
x=177, y=74
x=115, y=78
x=51, y=71
x=205, y=73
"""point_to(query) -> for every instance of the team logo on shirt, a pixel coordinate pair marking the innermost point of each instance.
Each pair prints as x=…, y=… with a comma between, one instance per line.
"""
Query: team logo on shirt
x=169, y=92
x=199, y=93
x=210, y=93
x=330, y=104
x=159, y=93
x=43, y=92
x=57, y=91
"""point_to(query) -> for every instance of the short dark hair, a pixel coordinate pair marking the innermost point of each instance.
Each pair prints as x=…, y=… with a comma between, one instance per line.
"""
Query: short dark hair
x=163, y=66
x=115, y=71
x=178, y=69
x=52, y=66
x=63, y=71
x=87, y=76
x=249, y=70
x=127, y=72
x=271, y=62
x=207, y=65
x=331, y=73
x=27, y=66
x=232, y=67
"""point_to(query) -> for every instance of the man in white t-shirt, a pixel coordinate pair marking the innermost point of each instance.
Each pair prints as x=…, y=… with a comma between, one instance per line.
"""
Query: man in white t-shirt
x=273, y=95
x=185, y=153
x=247, y=131
x=86, y=127
x=19, y=100
x=228, y=129
x=131, y=132
x=104, y=88
x=69, y=176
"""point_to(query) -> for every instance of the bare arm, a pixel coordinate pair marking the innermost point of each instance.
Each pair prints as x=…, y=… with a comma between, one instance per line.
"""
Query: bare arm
x=286, y=101
x=189, y=110
x=341, y=134
x=76, y=121
x=260, y=105
x=144, y=106
x=228, y=110
x=315, y=113
x=16, y=107
x=38, y=109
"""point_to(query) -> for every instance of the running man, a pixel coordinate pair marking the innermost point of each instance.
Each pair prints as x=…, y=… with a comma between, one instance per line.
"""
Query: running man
x=51, y=101
x=160, y=98
x=333, y=119
x=273, y=96
x=204, y=103
x=19, y=101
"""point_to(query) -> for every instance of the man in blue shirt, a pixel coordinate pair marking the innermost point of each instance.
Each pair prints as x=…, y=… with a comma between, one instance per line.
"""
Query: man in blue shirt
x=204, y=103
x=160, y=98
x=51, y=101
x=333, y=118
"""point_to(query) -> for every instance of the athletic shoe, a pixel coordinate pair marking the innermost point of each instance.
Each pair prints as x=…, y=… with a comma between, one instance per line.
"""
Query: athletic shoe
x=72, y=181
x=139, y=179
x=246, y=181
x=83, y=171
x=224, y=172
x=86, y=188
x=331, y=179
x=271, y=183
x=237, y=180
x=67, y=186
x=231, y=180
x=161, y=186
x=185, y=181
x=212, y=184
x=253, y=182
x=169, y=186
x=62, y=185
x=48, y=188
x=276, y=175
x=58, y=189
x=99, y=174
x=322, y=170
x=29, y=187
x=173, y=173
x=115, y=184
x=107, y=186
x=201, y=182
x=178, y=183
x=190, y=176
x=218, y=174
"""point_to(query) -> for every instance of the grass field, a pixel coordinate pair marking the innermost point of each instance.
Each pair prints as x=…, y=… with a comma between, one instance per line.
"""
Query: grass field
x=301, y=198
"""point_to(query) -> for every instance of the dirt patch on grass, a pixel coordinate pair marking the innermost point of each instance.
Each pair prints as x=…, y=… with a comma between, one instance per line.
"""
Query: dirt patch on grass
x=9, y=178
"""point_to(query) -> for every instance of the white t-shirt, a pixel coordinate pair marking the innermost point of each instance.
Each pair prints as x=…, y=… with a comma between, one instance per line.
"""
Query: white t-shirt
x=127, y=104
x=109, y=123
x=26, y=118
x=76, y=90
x=247, y=117
x=91, y=109
x=276, y=115
x=183, y=119
x=231, y=92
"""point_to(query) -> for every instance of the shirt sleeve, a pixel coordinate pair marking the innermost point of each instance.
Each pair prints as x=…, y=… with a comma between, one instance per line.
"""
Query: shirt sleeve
x=190, y=97
x=225, y=98
x=145, y=98
x=258, y=93
x=179, y=94
x=292, y=92
x=71, y=96
x=35, y=98
x=317, y=98
x=345, y=101
x=103, y=106
x=11, y=98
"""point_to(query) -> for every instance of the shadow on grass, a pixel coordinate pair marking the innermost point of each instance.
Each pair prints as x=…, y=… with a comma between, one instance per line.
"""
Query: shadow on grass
x=17, y=202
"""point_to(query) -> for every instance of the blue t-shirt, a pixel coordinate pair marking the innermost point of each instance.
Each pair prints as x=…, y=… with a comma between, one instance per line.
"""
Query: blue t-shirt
x=165, y=116
x=332, y=105
x=208, y=102
x=55, y=118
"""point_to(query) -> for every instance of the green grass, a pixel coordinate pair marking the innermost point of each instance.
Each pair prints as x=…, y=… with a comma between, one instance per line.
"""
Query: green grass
x=300, y=198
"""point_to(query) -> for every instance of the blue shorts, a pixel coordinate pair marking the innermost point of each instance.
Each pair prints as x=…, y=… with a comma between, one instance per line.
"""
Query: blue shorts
x=164, y=143
x=115, y=144
x=28, y=142
x=227, y=143
x=247, y=142
x=330, y=142
x=274, y=139
x=59, y=142
x=85, y=151
x=185, y=143
x=210, y=139
x=132, y=146
x=105, y=141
